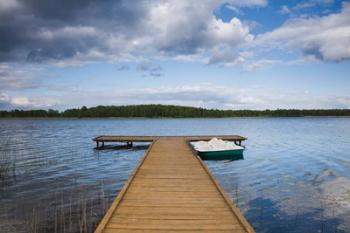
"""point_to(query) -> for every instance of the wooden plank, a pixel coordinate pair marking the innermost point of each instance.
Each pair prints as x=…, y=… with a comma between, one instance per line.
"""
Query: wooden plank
x=159, y=181
x=235, y=210
x=140, y=138
x=116, y=202
x=167, y=198
x=171, y=191
x=135, y=221
x=167, y=226
x=177, y=216
x=174, y=188
x=111, y=230
x=169, y=203
x=108, y=138
x=203, y=210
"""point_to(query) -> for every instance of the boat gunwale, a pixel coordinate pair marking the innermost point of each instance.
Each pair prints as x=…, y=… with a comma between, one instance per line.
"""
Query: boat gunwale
x=218, y=151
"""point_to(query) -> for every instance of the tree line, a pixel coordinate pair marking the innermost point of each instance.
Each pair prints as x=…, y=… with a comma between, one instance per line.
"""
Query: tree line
x=159, y=111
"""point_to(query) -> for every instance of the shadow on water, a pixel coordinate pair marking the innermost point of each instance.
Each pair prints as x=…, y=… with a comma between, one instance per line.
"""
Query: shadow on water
x=123, y=147
x=226, y=159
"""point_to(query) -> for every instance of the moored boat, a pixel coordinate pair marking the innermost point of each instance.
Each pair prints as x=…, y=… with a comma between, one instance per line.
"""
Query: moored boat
x=217, y=149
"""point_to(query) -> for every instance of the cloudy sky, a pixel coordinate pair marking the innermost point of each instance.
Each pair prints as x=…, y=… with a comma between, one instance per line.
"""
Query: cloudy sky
x=252, y=54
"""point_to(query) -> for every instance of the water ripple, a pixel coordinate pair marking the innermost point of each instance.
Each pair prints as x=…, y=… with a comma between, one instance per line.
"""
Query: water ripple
x=295, y=175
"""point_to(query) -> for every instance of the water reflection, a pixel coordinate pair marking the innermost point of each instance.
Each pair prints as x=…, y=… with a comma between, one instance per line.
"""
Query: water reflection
x=226, y=159
x=124, y=147
x=293, y=178
x=269, y=218
x=56, y=182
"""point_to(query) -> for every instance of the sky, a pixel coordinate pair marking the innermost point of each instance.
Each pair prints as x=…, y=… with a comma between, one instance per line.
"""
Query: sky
x=253, y=54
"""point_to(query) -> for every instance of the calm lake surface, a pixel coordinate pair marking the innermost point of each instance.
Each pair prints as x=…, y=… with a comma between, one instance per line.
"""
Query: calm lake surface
x=295, y=175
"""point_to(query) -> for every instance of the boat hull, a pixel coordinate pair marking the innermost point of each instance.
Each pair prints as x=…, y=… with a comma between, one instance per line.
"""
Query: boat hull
x=221, y=155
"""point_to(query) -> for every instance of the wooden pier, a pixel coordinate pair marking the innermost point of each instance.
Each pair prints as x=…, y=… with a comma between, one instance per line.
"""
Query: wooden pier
x=172, y=190
x=101, y=140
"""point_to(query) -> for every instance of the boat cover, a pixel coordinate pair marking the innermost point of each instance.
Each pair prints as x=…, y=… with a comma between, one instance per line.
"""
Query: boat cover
x=215, y=145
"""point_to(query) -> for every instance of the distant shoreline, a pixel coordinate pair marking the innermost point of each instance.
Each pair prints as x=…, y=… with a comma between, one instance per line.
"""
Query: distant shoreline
x=153, y=111
x=160, y=118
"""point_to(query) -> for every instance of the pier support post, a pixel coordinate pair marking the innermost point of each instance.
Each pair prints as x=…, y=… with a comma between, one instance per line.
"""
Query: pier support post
x=97, y=145
x=129, y=143
x=238, y=142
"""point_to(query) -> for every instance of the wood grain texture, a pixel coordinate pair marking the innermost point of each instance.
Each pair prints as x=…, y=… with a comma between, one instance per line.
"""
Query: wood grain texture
x=172, y=190
x=111, y=138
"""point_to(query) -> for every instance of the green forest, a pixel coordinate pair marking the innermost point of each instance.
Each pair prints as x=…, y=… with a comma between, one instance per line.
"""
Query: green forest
x=159, y=111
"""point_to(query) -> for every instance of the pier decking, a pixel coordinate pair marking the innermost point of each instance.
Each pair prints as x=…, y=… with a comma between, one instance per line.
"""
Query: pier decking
x=171, y=190
x=130, y=139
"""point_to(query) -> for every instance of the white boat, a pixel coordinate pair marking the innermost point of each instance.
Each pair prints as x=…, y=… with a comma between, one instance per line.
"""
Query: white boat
x=218, y=149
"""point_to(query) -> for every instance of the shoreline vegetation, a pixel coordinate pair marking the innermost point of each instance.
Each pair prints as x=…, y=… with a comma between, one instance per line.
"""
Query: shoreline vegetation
x=167, y=111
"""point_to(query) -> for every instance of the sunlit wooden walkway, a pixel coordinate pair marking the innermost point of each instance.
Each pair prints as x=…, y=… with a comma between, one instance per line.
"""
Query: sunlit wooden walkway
x=172, y=190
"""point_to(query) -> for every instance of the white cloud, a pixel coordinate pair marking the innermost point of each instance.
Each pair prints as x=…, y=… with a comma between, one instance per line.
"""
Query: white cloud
x=8, y=5
x=325, y=38
x=152, y=29
x=285, y=10
x=24, y=102
x=233, y=8
x=248, y=3
x=67, y=32
x=230, y=97
x=20, y=101
x=163, y=29
x=231, y=33
x=259, y=64
x=175, y=30
x=4, y=101
x=191, y=29
x=311, y=3
x=223, y=55
x=205, y=95
x=14, y=77
x=201, y=95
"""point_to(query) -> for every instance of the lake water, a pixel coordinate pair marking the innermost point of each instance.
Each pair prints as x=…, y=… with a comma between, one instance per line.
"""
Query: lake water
x=295, y=175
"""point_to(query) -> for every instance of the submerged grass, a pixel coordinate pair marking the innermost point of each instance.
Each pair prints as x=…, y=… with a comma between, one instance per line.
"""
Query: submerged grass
x=50, y=205
x=4, y=168
x=65, y=214
x=5, y=161
x=79, y=211
x=68, y=214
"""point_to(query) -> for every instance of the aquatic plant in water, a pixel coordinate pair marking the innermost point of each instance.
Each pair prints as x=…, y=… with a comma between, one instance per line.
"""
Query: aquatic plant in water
x=5, y=163
x=64, y=214
x=4, y=169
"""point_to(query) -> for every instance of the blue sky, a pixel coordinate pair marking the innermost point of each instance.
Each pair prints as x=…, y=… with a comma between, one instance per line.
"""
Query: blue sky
x=254, y=54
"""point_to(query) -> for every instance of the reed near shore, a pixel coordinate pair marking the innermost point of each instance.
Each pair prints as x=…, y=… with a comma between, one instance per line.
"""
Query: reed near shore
x=64, y=214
